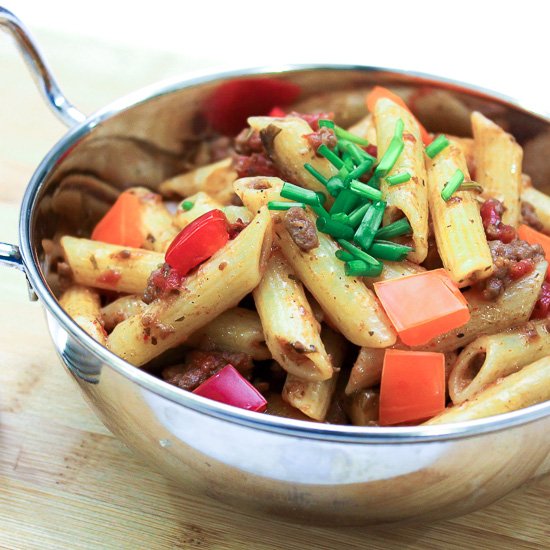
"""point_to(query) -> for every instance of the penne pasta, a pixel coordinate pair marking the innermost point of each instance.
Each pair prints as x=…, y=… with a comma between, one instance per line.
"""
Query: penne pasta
x=83, y=305
x=529, y=386
x=466, y=145
x=394, y=270
x=365, y=129
x=314, y=398
x=457, y=224
x=366, y=371
x=109, y=266
x=235, y=214
x=491, y=357
x=156, y=222
x=409, y=199
x=208, y=292
x=498, y=160
x=119, y=310
x=285, y=142
x=235, y=330
x=291, y=331
x=513, y=307
x=216, y=179
x=351, y=307
x=538, y=200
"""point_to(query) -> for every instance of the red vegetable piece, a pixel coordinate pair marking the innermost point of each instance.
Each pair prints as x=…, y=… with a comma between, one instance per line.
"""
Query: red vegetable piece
x=412, y=386
x=231, y=103
x=423, y=306
x=229, y=387
x=532, y=236
x=198, y=241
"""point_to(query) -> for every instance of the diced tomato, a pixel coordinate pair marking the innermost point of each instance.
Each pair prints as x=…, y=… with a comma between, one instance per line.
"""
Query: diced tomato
x=412, y=386
x=198, y=241
x=423, y=306
x=277, y=112
x=231, y=103
x=122, y=223
x=379, y=92
x=542, y=307
x=532, y=236
x=229, y=387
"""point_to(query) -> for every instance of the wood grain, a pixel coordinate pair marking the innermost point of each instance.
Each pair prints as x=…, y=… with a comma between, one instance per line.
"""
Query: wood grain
x=65, y=481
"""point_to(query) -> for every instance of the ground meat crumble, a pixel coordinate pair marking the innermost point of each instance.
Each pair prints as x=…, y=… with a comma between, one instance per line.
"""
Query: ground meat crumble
x=301, y=229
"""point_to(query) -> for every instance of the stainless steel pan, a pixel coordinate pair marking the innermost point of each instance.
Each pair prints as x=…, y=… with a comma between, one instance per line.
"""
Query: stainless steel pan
x=303, y=471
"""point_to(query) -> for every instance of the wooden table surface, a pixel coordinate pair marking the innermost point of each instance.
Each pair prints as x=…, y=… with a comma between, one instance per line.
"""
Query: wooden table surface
x=65, y=481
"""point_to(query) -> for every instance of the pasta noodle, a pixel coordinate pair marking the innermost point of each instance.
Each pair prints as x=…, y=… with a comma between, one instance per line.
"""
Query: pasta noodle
x=498, y=161
x=214, y=179
x=489, y=358
x=82, y=304
x=408, y=199
x=291, y=331
x=235, y=330
x=457, y=224
x=109, y=266
x=529, y=386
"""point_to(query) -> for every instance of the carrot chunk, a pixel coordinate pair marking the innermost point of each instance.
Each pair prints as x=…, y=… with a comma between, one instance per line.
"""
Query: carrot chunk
x=532, y=236
x=122, y=223
x=423, y=306
x=412, y=386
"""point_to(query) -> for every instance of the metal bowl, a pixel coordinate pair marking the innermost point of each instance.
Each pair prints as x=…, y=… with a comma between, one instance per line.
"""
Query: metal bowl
x=300, y=470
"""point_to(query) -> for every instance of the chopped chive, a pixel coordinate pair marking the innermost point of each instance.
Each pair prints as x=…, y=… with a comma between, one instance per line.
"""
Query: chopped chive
x=370, y=223
x=403, y=177
x=335, y=185
x=359, y=268
x=395, y=229
x=365, y=190
x=356, y=216
x=358, y=154
x=344, y=134
x=334, y=229
x=317, y=175
x=348, y=161
x=361, y=169
x=392, y=153
x=322, y=197
x=323, y=122
x=332, y=157
x=341, y=217
x=299, y=194
x=436, y=146
x=386, y=250
x=345, y=202
x=452, y=185
x=319, y=210
x=284, y=205
x=344, y=256
x=187, y=205
x=358, y=253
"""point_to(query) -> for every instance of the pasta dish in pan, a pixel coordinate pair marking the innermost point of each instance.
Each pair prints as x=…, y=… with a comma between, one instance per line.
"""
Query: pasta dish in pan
x=374, y=275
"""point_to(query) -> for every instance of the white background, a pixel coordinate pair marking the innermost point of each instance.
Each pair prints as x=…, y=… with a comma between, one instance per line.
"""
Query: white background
x=499, y=45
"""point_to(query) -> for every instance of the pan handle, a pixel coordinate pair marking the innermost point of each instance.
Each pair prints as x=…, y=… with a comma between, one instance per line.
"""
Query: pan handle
x=40, y=71
x=11, y=257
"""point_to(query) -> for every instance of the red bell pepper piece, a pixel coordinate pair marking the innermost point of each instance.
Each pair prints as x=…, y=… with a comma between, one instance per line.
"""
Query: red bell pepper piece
x=229, y=387
x=231, y=103
x=423, y=305
x=122, y=223
x=412, y=386
x=198, y=241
